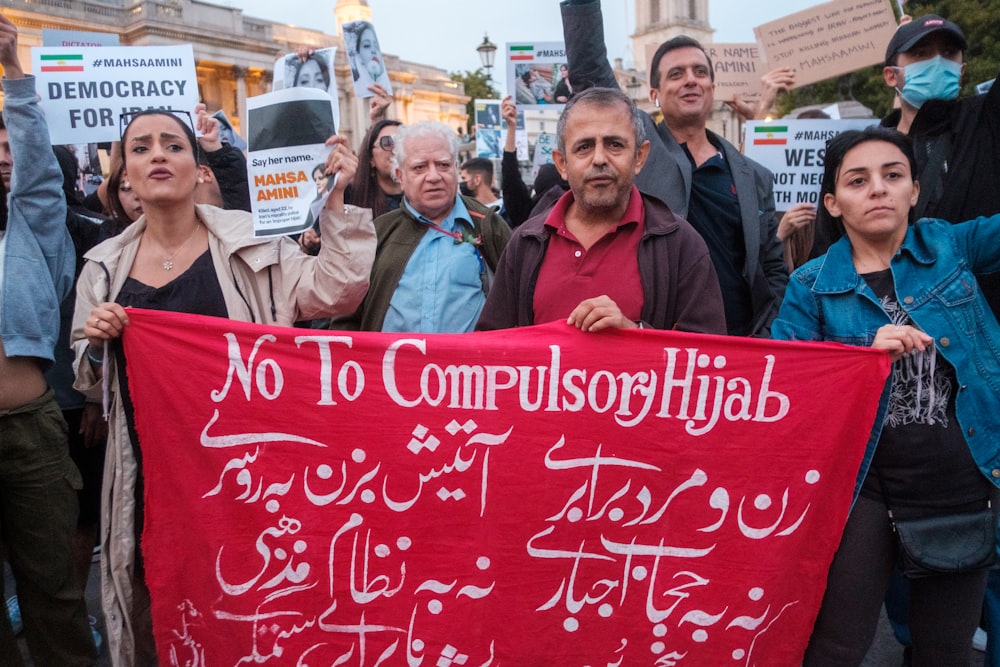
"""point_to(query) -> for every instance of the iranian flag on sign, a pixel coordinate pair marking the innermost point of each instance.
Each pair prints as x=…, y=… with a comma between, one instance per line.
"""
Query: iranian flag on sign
x=770, y=135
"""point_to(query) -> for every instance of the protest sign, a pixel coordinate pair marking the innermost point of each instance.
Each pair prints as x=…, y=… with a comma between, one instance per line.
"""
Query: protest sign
x=315, y=71
x=365, y=56
x=794, y=151
x=517, y=497
x=286, y=159
x=489, y=129
x=829, y=39
x=534, y=73
x=738, y=69
x=86, y=90
x=545, y=143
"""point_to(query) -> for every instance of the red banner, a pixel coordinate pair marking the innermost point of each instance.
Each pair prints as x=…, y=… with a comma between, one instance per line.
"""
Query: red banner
x=535, y=496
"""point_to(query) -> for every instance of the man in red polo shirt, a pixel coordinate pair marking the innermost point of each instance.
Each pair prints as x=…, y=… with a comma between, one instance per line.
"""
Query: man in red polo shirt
x=605, y=255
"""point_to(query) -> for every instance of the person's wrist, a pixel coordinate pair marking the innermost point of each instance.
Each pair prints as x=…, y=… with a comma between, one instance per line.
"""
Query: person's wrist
x=96, y=359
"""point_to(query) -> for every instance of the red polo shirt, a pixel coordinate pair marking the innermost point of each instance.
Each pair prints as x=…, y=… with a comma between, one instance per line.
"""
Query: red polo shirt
x=570, y=274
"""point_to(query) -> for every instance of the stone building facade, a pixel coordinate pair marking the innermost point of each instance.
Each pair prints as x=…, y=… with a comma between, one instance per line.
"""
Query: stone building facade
x=235, y=53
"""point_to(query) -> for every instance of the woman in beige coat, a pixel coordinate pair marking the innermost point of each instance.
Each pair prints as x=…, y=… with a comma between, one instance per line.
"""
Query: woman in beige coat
x=199, y=259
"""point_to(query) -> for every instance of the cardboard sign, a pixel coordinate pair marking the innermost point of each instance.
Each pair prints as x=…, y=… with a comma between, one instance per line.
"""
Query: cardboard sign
x=828, y=40
x=86, y=90
x=738, y=69
x=520, y=497
x=794, y=151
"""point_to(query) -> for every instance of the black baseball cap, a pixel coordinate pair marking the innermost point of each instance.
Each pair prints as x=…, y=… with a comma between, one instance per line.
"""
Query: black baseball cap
x=908, y=34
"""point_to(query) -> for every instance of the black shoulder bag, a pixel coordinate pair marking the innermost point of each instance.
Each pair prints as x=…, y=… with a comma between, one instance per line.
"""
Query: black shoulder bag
x=948, y=544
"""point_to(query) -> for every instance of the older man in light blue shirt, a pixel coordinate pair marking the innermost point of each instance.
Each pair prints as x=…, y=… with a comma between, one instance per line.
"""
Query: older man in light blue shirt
x=437, y=252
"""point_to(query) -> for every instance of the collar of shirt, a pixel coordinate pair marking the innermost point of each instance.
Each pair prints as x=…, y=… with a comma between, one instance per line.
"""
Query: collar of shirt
x=719, y=159
x=458, y=212
x=556, y=219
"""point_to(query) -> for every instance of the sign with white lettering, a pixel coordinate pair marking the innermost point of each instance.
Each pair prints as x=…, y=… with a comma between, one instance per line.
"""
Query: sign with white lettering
x=830, y=39
x=286, y=159
x=537, y=496
x=794, y=151
x=86, y=90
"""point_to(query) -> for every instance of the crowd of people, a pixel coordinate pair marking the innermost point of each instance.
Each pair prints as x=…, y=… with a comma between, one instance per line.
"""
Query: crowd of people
x=639, y=223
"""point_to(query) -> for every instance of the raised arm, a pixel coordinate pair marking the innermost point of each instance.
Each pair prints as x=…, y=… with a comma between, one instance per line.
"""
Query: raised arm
x=36, y=204
x=586, y=52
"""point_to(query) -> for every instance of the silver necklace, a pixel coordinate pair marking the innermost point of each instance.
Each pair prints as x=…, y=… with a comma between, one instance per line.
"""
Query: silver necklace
x=168, y=263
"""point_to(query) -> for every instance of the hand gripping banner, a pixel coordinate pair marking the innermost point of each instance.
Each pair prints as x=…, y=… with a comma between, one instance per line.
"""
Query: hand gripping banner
x=535, y=496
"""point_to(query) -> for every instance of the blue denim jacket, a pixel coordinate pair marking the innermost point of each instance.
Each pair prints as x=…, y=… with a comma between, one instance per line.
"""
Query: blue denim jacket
x=39, y=259
x=933, y=273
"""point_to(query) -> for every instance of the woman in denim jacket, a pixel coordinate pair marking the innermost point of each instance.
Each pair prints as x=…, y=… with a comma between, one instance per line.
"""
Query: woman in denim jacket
x=910, y=290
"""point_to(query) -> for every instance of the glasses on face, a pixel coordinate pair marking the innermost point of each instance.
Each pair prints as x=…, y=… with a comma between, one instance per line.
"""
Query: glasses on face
x=386, y=143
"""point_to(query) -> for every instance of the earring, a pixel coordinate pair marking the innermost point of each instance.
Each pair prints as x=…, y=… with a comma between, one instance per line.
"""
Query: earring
x=657, y=102
x=201, y=180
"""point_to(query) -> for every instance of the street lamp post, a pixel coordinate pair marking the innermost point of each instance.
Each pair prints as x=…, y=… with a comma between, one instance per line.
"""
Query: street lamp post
x=634, y=86
x=487, y=52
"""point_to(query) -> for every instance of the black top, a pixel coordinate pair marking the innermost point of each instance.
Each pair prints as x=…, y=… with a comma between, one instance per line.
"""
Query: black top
x=196, y=291
x=714, y=210
x=921, y=457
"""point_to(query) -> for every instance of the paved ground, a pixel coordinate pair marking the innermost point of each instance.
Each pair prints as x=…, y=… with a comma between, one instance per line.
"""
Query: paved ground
x=885, y=651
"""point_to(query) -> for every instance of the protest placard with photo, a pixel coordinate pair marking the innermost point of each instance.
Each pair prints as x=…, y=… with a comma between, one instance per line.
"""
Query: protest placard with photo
x=365, y=56
x=489, y=129
x=315, y=71
x=537, y=74
x=828, y=40
x=286, y=195
x=85, y=90
x=794, y=151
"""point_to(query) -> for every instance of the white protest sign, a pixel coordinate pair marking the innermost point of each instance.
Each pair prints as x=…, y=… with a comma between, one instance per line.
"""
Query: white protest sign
x=290, y=71
x=544, y=145
x=286, y=134
x=84, y=91
x=535, y=71
x=828, y=40
x=365, y=56
x=794, y=151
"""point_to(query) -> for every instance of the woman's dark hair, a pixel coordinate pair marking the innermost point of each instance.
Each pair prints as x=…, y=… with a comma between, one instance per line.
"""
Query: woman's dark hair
x=365, y=191
x=828, y=228
x=119, y=219
x=323, y=69
x=3, y=207
x=359, y=31
x=186, y=127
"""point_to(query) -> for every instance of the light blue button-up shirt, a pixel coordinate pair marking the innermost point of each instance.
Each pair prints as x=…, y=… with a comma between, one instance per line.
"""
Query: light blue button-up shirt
x=441, y=289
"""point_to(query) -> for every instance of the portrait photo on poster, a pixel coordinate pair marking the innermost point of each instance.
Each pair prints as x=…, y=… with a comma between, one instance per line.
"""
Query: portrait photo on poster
x=315, y=71
x=365, y=56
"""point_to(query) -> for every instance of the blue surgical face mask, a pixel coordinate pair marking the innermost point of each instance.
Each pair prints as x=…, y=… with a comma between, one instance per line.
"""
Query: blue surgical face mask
x=934, y=79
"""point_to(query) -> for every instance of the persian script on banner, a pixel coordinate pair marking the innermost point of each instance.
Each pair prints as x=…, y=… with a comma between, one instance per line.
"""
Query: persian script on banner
x=537, y=496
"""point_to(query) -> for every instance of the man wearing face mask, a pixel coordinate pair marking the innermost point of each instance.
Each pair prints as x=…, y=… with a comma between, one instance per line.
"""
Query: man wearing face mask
x=957, y=140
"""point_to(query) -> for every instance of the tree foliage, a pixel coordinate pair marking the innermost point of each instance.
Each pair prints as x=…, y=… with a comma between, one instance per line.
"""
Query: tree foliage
x=477, y=87
x=979, y=20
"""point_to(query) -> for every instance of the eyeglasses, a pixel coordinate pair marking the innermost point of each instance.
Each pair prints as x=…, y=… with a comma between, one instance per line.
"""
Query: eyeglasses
x=386, y=143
